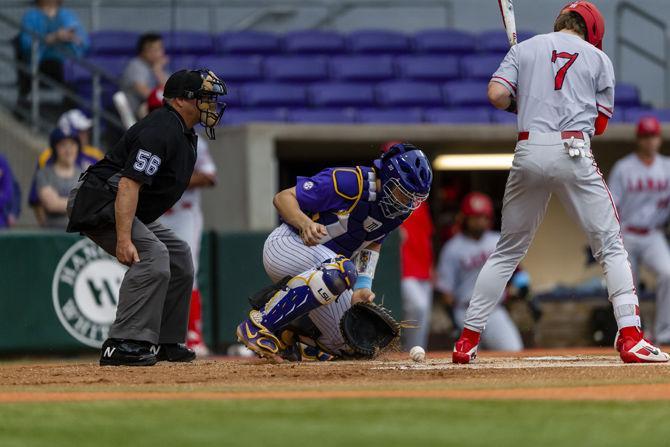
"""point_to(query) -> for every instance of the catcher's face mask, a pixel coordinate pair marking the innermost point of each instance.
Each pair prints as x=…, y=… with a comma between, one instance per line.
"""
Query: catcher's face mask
x=208, y=103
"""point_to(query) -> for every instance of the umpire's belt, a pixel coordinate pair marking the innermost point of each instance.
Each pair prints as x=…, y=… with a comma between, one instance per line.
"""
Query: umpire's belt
x=565, y=135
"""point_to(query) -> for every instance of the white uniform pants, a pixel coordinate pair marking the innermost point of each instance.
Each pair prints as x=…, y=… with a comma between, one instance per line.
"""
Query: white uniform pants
x=542, y=167
x=501, y=333
x=652, y=251
x=187, y=224
x=417, y=301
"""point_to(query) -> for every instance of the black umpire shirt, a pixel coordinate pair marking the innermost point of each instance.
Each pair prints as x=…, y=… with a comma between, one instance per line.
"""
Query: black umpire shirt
x=159, y=152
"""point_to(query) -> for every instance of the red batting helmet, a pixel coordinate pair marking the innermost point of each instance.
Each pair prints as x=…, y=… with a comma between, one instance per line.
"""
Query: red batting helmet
x=477, y=204
x=595, y=23
x=648, y=126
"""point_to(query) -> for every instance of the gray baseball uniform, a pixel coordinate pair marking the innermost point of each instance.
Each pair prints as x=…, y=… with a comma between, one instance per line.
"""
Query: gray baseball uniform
x=461, y=260
x=560, y=82
x=642, y=196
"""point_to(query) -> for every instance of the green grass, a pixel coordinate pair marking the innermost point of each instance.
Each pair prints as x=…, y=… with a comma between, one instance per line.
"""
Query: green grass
x=324, y=423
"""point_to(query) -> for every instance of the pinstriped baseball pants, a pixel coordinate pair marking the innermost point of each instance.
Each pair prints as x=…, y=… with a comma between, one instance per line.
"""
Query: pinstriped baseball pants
x=284, y=254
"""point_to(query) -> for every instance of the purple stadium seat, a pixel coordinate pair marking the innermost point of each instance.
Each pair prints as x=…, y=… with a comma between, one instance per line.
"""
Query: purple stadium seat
x=444, y=41
x=341, y=95
x=362, y=68
x=502, y=117
x=274, y=95
x=248, y=42
x=407, y=93
x=466, y=94
x=296, y=68
x=378, y=41
x=183, y=62
x=429, y=68
x=113, y=65
x=620, y=114
x=496, y=41
x=111, y=42
x=458, y=116
x=243, y=116
x=188, y=42
x=233, y=68
x=634, y=115
x=626, y=95
x=480, y=67
x=320, y=116
x=380, y=116
x=314, y=42
x=233, y=98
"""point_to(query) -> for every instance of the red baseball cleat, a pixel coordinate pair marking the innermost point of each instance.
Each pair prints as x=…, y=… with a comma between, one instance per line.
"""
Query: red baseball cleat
x=634, y=348
x=465, y=349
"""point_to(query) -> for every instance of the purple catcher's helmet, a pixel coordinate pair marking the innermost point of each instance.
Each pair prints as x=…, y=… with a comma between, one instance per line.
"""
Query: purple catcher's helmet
x=406, y=175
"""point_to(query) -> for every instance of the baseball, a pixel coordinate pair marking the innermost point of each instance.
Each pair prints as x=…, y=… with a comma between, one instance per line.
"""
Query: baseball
x=417, y=354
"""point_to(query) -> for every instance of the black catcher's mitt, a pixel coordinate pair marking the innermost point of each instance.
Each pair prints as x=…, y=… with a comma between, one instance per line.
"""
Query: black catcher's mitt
x=368, y=328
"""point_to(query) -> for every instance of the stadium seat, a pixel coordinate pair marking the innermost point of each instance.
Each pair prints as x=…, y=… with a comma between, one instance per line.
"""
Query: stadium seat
x=113, y=65
x=428, y=68
x=110, y=42
x=378, y=41
x=502, y=117
x=444, y=41
x=626, y=95
x=458, y=116
x=182, y=62
x=234, y=68
x=496, y=41
x=314, y=42
x=480, y=67
x=380, y=116
x=362, y=68
x=248, y=42
x=274, y=95
x=244, y=116
x=341, y=95
x=188, y=42
x=466, y=94
x=634, y=115
x=321, y=116
x=296, y=68
x=408, y=93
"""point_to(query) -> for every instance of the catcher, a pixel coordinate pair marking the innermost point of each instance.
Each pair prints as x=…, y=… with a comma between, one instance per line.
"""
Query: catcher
x=322, y=260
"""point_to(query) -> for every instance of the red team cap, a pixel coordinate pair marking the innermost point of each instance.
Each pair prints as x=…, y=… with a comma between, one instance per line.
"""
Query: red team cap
x=648, y=126
x=477, y=204
x=155, y=99
x=595, y=23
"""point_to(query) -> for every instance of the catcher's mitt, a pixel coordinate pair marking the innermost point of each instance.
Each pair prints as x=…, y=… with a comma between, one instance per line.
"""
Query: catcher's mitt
x=368, y=328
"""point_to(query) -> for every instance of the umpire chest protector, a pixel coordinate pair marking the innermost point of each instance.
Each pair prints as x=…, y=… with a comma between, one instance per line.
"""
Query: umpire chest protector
x=364, y=222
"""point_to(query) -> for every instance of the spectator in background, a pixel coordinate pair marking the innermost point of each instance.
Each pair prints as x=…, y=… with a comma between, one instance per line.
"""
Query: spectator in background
x=72, y=120
x=61, y=35
x=9, y=195
x=145, y=71
x=461, y=260
x=55, y=181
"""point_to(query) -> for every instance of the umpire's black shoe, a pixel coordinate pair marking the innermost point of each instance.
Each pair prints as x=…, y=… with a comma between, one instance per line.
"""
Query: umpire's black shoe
x=174, y=352
x=116, y=352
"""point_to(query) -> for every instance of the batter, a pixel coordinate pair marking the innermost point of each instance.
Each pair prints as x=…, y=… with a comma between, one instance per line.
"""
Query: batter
x=562, y=85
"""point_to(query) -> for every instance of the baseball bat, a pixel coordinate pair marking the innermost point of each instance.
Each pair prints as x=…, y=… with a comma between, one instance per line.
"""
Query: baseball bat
x=507, y=11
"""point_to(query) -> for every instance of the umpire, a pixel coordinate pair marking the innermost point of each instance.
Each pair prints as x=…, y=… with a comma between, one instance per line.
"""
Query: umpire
x=116, y=204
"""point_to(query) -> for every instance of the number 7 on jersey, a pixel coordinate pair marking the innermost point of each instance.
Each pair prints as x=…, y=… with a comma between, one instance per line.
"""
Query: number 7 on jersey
x=560, y=75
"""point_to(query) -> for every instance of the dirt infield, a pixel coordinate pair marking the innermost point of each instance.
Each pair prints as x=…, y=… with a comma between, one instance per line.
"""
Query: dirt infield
x=537, y=375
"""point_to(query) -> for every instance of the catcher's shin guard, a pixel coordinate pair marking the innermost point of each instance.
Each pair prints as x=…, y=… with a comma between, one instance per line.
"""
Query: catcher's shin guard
x=307, y=291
